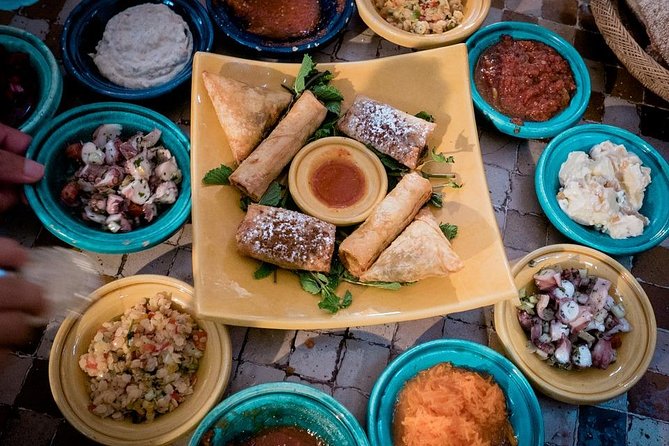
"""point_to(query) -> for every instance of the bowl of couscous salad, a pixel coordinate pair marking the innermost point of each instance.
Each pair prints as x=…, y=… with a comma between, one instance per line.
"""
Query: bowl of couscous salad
x=138, y=367
x=423, y=24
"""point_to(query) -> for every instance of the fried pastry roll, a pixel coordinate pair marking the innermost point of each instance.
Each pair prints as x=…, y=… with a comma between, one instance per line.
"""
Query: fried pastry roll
x=389, y=130
x=420, y=251
x=288, y=239
x=255, y=173
x=359, y=250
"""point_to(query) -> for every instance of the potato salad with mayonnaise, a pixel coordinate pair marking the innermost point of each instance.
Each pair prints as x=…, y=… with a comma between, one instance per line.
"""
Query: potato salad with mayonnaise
x=605, y=189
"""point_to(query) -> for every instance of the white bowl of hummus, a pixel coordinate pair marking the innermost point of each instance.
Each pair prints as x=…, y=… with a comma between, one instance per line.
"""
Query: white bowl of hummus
x=134, y=51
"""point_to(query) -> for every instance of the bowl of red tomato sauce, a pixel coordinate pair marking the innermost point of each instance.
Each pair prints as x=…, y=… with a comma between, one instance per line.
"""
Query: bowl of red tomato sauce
x=526, y=80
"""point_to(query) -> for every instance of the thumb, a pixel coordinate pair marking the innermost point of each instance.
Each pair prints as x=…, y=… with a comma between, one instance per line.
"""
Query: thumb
x=17, y=169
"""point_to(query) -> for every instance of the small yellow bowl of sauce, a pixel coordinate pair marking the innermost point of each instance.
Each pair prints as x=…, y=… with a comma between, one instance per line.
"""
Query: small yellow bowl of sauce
x=338, y=180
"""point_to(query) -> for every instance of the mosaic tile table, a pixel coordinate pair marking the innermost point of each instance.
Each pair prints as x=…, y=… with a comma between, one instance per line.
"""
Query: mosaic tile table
x=346, y=363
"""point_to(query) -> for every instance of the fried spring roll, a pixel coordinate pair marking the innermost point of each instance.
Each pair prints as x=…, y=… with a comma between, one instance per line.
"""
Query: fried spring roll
x=255, y=173
x=359, y=250
x=289, y=239
x=389, y=130
x=420, y=251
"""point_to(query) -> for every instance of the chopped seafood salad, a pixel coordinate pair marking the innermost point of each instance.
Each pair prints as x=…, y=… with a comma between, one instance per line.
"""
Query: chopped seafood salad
x=145, y=363
x=121, y=184
x=572, y=320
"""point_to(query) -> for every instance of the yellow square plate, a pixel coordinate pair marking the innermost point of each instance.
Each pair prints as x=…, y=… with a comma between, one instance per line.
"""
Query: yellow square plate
x=435, y=81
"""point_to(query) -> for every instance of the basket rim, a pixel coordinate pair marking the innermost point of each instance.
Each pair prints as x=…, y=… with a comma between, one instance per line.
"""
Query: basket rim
x=639, y=63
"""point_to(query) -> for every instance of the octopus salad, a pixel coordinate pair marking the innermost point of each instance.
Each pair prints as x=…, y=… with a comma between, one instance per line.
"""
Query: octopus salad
x=121, y=184
x=572, y=320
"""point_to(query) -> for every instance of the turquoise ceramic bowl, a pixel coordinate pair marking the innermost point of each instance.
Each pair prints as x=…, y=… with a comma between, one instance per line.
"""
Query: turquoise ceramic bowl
x=48, y=74
x=522, y=403
x=78, y=124
x=83, y=30
x=280, y=404
x=490, y=35
x=655, y=203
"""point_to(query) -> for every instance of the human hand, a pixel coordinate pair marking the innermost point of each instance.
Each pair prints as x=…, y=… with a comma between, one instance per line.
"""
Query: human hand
x=14, y=168
x=19, y=299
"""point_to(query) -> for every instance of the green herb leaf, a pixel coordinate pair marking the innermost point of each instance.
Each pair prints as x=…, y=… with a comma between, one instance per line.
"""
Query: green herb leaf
x=440, y=157
x=391, y=164
x=347, y=300
x=309, y=284
x=416, y=15
x=327, y=93
x=307, y=67
x=394, y=286
x=437, y=200
x=453, y=185
x=425, y=115
x=449, y=230
x=334, y=107
x=264, y=270
x=244, y=202
x=272, y=197
x=332, y=303
x=218, y=175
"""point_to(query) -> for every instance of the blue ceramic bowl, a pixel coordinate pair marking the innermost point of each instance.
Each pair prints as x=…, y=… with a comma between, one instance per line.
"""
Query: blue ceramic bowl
x=85, y=25
x=490, y=35
x=521, y=402
x=655, y=204
x=280, y=404
x=78, y=124
x=332, y=22
x=48, y=74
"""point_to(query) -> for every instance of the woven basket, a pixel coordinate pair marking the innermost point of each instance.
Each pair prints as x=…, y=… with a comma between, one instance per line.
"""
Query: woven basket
x=643, y=67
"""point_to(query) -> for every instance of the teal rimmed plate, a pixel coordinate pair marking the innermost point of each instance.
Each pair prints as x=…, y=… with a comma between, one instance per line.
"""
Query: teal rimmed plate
x=655, y=204
x=48, y=147
x=280, y=404
x=521, y=401
x=490, y=35
x=48, y=74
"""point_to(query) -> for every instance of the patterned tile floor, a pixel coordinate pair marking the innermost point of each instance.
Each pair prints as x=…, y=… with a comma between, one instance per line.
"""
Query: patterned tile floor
x=346, y=363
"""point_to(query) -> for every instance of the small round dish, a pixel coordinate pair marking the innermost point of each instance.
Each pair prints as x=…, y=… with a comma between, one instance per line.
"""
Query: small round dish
x=78, y=124
x=281, y=404
x=10, y=5
x=582, y=138
x=334, y=15
x=83, y=30
x=324, y=155
x=490, y=35
x=475, y=13
x=592, y=385
x=69, y=384
x=48, y=74
x=522, y=404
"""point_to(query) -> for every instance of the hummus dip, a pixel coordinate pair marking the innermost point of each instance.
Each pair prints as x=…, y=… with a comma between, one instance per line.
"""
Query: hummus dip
x=144, y=46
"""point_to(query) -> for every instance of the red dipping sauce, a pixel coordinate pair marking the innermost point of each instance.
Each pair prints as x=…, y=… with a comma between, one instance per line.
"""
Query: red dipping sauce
x=278, y=19
x=524, y=79
x=282, y=435
x=338, y=183
x=19, y=87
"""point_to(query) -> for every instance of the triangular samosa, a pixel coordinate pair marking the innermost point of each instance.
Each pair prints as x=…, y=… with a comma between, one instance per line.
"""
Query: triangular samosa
x=246, y=113
x=419, y=252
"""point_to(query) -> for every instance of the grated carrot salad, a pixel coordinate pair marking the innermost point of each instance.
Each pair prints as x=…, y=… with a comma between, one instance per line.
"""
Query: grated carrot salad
x=451, y=406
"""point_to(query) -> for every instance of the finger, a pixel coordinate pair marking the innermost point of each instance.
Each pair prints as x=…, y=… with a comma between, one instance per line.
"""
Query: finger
x=18, y=170
x=13, y=140
x=8, y=198
x=12, y=255
x=14, y=328
x=17, y=294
